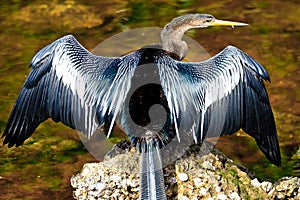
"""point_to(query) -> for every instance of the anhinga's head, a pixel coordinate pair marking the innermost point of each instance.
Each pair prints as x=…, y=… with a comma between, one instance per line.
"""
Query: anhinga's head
x=171, y=35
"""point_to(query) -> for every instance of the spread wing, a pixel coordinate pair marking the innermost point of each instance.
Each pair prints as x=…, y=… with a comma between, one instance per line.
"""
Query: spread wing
x=69, y=84
x=220, y=96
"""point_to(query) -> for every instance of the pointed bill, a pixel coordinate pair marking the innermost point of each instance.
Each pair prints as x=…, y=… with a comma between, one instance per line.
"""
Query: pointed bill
x=218, y=22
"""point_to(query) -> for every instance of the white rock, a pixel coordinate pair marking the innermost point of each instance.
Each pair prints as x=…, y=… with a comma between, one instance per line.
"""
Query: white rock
x=100, y=173
x=271, y=191
x=92, y=195
x=73, y=182
x=115, y=178
x=234, y=196
x=85, y=171
x=133, y=183
x=267, y=186
x=208, y=165
x=100, y=187
x=183, y=176
x=77, y=193
x=221, y=196
x=198, y=182
x=91, y=183
x=218, y=189
x=203, y=191
x=255, y=183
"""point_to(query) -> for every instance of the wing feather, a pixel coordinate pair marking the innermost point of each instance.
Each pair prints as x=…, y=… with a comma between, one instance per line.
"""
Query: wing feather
x=69, y=84
x=222, y=95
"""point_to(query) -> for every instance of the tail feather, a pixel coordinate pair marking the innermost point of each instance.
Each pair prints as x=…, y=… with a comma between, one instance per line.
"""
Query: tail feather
x=151, y=173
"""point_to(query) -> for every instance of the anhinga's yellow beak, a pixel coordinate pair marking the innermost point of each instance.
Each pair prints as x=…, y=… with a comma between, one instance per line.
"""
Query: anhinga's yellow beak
x=218, y=22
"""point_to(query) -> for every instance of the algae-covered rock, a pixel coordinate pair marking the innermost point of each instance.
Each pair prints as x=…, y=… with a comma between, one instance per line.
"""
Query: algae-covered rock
x=196, y=175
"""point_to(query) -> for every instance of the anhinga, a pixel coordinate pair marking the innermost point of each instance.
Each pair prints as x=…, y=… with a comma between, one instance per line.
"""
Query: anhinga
x=69, y=84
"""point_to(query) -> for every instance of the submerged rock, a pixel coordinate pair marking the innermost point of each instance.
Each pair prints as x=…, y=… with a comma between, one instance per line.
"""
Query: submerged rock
x=193, y=176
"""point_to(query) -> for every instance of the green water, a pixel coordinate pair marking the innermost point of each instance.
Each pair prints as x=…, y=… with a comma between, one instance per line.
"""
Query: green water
x=43, y=166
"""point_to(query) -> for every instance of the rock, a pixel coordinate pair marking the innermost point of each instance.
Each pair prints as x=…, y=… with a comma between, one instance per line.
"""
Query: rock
x=286, y=188
x=193, y=176
x=266, y=186
x=198, y=182
x=255, y=183
x=203, y=191
x=183, y=176
x=221, y=196
x=208, y=165
x=108, y=179
x=218, y=189
x=234, y=196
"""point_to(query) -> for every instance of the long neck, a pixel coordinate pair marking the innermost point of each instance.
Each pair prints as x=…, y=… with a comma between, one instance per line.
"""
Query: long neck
x=171, y=36
x=171, y=40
